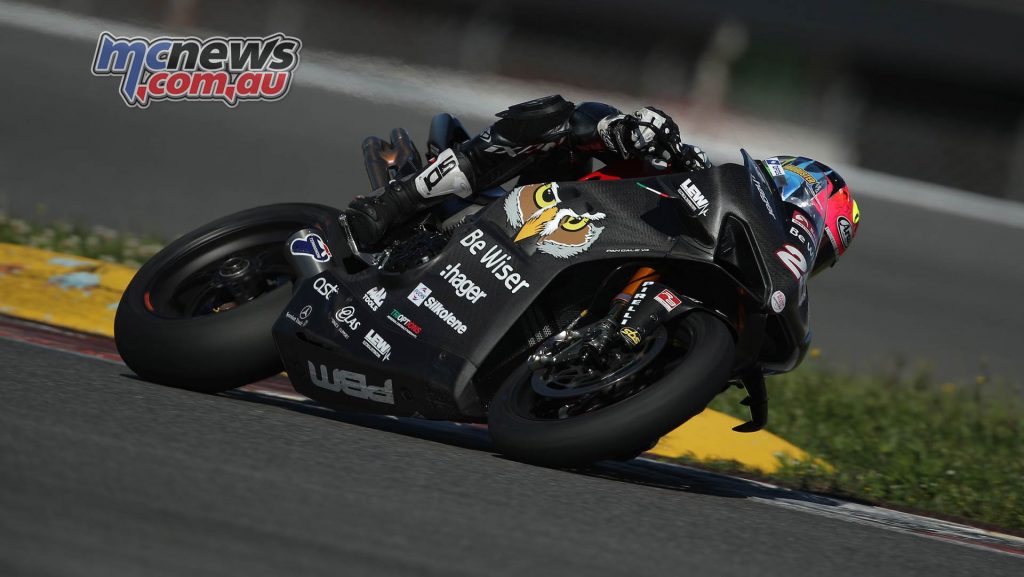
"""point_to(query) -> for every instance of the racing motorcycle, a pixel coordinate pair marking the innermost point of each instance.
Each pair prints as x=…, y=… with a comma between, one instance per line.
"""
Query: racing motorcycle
x=581, y=320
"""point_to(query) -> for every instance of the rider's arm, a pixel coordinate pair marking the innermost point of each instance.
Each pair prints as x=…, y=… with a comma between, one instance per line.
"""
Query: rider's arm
x=523, y=133
x=529, y=131
x=591, y=130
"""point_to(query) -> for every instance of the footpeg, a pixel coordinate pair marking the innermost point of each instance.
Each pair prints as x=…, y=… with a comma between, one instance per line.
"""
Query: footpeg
x=756, y=401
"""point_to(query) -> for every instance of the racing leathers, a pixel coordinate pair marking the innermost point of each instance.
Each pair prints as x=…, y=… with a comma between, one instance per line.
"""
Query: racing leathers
x=549, y=138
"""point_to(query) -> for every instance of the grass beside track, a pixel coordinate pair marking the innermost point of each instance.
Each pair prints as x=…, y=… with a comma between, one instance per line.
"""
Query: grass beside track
x=907, y=442
x=98, y=242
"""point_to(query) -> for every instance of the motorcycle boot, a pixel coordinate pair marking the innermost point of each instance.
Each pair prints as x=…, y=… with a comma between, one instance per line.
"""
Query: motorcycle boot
x=370, y=217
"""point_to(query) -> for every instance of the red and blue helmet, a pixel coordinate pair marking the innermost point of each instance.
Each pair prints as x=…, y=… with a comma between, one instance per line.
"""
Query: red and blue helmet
x=822, y=200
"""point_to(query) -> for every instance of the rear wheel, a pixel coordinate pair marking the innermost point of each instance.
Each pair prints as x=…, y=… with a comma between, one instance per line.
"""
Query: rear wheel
x=198, y=315
x=568, y=414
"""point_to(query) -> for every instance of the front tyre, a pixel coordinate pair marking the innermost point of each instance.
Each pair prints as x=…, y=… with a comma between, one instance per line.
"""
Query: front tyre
x=667, y=386
x=198, y=315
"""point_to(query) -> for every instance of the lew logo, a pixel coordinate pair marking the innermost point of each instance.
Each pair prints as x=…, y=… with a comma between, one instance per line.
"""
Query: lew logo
x=693, y=197
x=377, y=345
x=352, y=384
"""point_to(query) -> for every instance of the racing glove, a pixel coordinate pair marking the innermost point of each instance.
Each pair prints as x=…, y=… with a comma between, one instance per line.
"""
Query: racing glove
x=652, y=133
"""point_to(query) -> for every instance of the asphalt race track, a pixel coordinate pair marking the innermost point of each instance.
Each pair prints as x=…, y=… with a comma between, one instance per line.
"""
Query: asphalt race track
x=106, y=475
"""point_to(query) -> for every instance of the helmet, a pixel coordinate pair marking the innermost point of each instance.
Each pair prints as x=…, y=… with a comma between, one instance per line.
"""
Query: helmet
x=822, y=200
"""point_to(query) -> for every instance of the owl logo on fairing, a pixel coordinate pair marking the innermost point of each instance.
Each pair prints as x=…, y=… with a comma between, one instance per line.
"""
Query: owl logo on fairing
x=533, y=211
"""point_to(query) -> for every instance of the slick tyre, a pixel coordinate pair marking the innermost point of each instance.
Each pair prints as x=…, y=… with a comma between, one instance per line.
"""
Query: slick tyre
x=681, y=383
x=180, y=324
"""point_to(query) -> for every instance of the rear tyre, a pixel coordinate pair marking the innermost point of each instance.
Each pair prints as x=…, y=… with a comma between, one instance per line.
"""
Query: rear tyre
x=198, y=315
x=668, y=390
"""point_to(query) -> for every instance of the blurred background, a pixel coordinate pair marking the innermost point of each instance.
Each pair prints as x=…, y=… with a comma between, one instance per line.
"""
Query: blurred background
x=919, y=103
x=927, y=89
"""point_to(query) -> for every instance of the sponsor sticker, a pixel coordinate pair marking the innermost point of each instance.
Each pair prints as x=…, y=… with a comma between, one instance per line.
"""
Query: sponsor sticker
x=419, y=294
x=631, y=335
x=802, y=221
x=350, y=383
x=638, y=297
x=794, y=231
x=667, y=299
x=845, y=230
x=798, y=234
x=464, y=287
x=774, y=166
x=435, y=306
x=495, y=260
x=302, y=319
x=778, y=301
x=374, y=298
x=808, y=177
x=377, y=345
x=693, y=198
x=225, y=69
x=345, y=318
x=405, y=323
x=325, y=288
x=311, y=246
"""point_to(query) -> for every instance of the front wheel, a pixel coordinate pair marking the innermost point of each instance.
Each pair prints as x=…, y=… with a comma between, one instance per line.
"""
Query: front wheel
x=198, y=315
x=536, y=418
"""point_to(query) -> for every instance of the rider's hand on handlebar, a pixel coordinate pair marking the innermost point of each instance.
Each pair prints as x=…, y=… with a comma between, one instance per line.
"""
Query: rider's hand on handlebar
x=651, y=133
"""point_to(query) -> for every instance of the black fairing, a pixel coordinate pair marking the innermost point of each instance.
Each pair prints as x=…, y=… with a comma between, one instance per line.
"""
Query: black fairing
x=430, y=366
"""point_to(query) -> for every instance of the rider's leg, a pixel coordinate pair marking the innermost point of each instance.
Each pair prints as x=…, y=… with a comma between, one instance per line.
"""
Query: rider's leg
x=524, y=132
x=369, y=217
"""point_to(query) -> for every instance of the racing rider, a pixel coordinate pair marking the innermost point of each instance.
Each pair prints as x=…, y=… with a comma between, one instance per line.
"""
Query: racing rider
x=556, y=140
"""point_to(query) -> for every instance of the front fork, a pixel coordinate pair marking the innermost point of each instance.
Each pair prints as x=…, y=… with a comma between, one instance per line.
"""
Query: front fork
x=645, y=304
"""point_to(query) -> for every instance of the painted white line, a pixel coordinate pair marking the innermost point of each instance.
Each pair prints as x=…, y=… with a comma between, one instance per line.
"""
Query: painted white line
x=480, y=96
x=879, y=517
